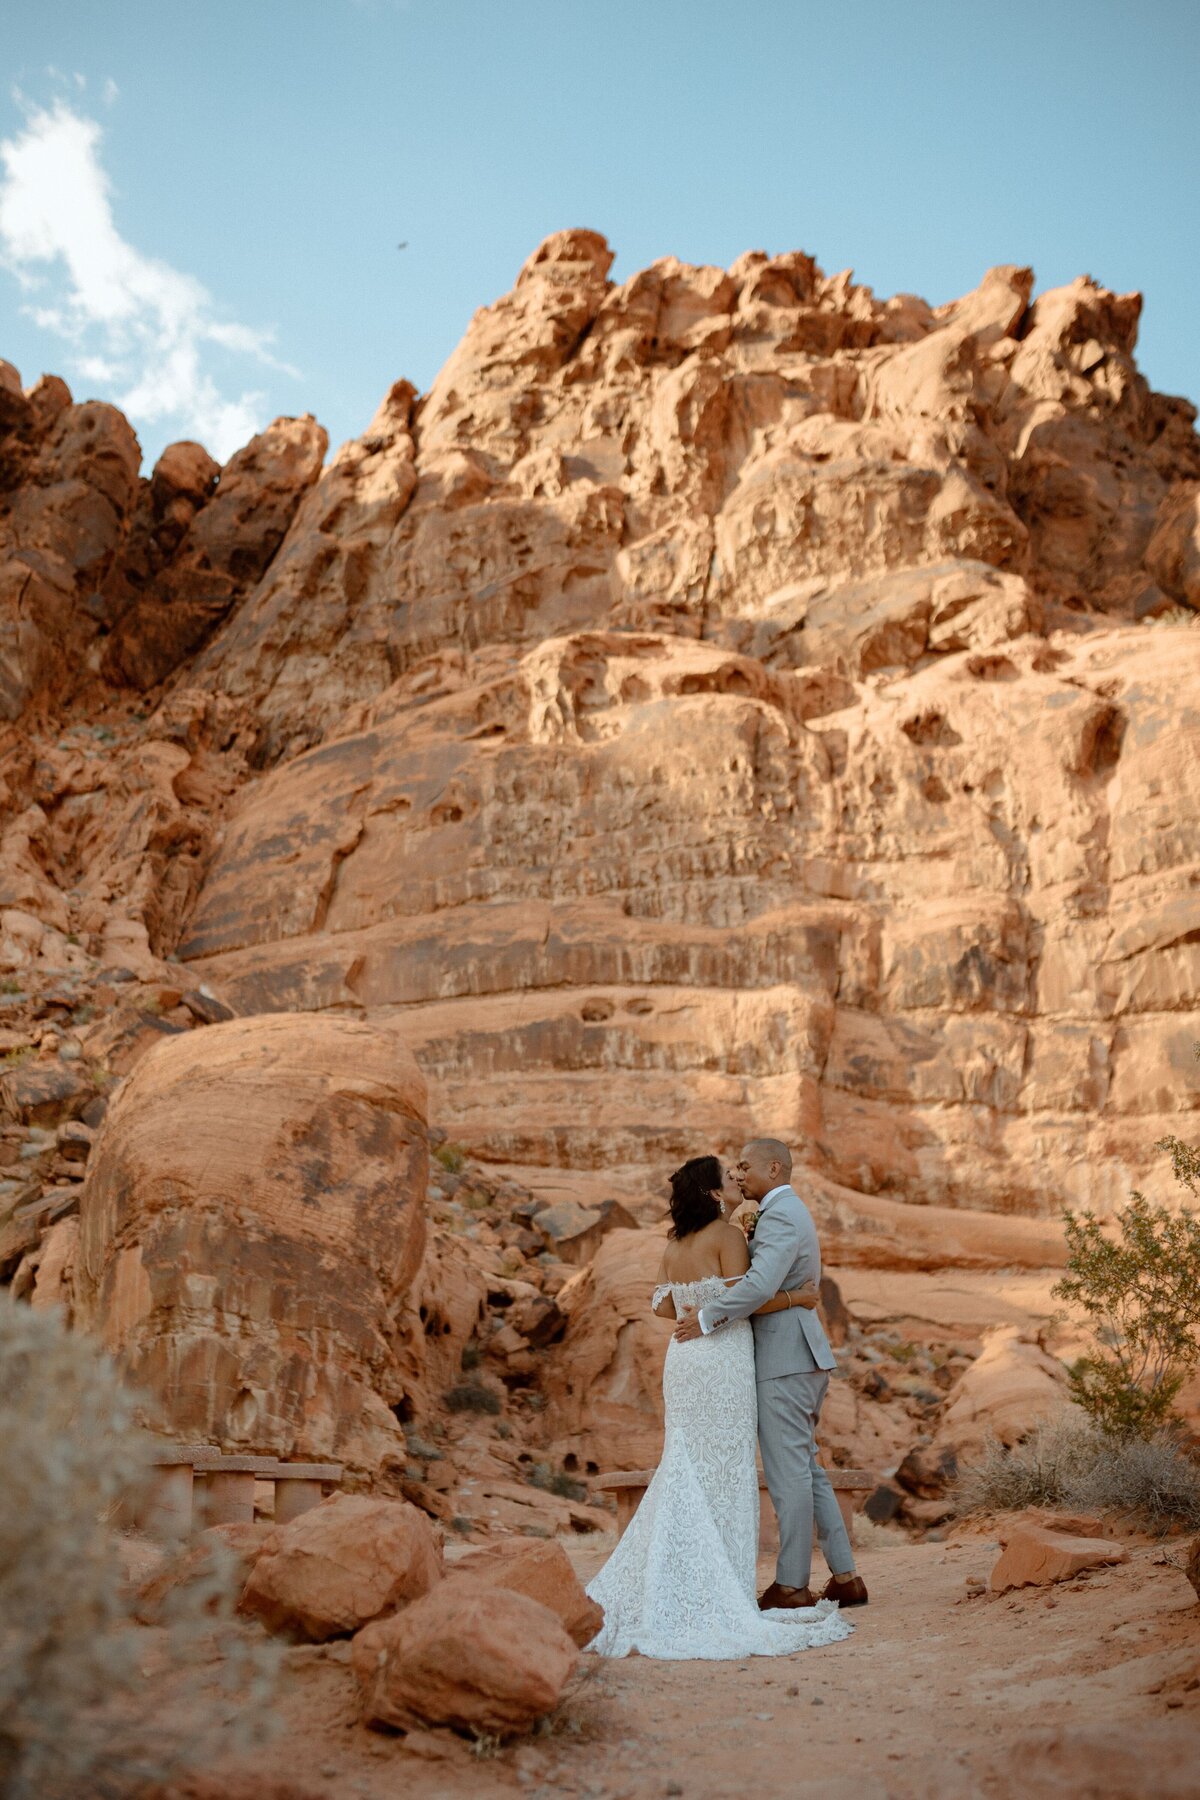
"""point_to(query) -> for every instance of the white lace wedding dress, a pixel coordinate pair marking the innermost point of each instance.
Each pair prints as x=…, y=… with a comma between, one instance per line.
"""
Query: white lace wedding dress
x=681, y=1582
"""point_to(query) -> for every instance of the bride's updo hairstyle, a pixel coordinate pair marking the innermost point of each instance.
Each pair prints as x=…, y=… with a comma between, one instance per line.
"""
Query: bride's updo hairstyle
x=694, y=1195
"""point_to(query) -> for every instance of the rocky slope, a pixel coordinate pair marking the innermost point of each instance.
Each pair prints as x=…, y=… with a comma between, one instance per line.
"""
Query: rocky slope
x=727, y=700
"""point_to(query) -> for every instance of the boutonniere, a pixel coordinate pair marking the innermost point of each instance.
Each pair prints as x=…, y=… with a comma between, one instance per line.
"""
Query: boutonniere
x=749, y=1222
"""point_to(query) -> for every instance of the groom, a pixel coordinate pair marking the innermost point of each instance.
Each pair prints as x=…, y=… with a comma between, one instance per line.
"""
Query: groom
x=791, y=1360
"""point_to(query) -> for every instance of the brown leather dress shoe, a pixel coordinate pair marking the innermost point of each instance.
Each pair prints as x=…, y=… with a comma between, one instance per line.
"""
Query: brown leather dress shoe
x=788, y=1599
x=847, y=1590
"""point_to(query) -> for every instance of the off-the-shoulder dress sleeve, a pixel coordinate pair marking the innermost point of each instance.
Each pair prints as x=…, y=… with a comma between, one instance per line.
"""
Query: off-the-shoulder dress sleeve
x=662, y=1292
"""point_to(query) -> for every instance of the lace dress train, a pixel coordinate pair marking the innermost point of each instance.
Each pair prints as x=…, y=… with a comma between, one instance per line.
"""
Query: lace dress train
x=681, y=1582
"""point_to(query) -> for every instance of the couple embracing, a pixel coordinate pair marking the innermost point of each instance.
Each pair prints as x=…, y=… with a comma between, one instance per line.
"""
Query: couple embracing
x=749, y=1353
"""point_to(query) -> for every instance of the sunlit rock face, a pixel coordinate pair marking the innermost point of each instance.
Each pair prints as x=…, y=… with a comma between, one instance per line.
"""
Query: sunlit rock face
x=728, y=700
x=251, y=1222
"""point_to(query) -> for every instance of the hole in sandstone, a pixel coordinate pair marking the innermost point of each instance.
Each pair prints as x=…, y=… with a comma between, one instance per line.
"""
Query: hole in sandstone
x=424, y=1312
x=404, y=1410
x=992, y=668
x=1046, y=661
x=593, y=1012
x=448, y=813
x=934, y=790
x=570, y=1462
x=445, y=1328
x=931, y=728
x=499, y=1299
x=1103, y=734
x=592, y=1468
x=639, y=1006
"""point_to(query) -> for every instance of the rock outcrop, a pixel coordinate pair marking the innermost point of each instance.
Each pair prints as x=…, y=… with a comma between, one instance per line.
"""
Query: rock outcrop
x=251, y=1222
x=727, y=699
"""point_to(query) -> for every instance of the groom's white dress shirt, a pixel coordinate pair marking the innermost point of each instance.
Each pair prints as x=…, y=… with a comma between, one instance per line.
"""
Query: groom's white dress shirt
x=704, y=1316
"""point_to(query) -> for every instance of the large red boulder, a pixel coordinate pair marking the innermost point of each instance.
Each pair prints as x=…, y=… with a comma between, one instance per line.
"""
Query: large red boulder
x=333, y=1569
x=540, y=1569
x=472, y=1657
x=252, y=1218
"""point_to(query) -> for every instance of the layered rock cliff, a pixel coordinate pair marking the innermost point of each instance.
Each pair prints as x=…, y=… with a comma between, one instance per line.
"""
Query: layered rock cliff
x=726, y=701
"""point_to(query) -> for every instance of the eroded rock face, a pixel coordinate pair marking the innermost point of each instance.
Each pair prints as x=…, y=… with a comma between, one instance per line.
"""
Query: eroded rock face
x=250, y=1224
x=87, y=549
x=728, y=700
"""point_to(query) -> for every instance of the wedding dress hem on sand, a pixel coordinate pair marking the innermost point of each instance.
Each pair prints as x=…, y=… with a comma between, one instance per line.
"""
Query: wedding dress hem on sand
x=681, y=1583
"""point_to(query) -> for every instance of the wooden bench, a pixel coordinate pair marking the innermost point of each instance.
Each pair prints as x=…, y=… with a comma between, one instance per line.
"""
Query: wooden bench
x=191, y=1479
x=628, y=1486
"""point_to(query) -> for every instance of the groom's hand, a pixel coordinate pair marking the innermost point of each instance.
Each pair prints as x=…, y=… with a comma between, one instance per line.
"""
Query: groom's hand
x=688, y=1328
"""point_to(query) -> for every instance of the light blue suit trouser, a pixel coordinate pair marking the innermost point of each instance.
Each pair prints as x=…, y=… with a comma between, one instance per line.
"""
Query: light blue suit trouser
x=789, y=1407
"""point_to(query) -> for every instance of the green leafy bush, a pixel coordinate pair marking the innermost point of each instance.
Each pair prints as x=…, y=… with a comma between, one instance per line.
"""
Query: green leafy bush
x=1140, y=1290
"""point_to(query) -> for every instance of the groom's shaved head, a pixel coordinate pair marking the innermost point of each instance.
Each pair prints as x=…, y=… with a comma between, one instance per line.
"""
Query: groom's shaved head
x=765, y=1163
x=770, y=1150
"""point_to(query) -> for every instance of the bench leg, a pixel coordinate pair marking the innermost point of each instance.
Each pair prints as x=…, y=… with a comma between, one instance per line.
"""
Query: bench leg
x=846, y=1508
x=293, y=1497
x=628, y=1500
x=166, y=1511
x=229, y=1498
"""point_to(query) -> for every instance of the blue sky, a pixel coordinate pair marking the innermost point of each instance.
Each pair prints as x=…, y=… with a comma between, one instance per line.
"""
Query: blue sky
x=200, y=205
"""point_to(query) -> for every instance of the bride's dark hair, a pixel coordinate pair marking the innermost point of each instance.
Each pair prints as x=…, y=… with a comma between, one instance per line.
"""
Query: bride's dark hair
x=694, y=1190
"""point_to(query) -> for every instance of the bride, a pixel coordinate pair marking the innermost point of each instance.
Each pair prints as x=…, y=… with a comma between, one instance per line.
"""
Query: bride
x=680, y=1583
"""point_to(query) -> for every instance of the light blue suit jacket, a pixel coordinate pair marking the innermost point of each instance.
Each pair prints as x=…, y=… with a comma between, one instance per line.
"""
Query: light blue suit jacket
x=784, y=1253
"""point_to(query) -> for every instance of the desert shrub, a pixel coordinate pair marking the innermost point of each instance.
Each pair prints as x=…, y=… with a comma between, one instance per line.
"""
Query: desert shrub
x=556, y=1481
x=1040, y=1471
x=1153, y=1480
x=1069, y=1462
x=472, y=1396
x=452, y=1157
x=1140, y=1290
x=73, y=1713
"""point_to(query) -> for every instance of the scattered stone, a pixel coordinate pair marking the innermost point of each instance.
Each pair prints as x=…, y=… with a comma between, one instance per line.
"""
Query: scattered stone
x=1034, y=1557
x=542, y=1571
x=331, y=1570
x=472, y=1657
x=205, y=1008
x=928, y=1471
x=882, y=1504
x=42, y=1093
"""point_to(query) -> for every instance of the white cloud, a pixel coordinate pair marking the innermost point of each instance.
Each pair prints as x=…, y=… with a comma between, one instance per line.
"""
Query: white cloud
x=147, y=325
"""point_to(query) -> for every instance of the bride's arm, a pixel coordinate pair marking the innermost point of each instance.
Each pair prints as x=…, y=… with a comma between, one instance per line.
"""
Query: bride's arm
x=806, y=1296
x=663, y=1303
x=735, y=1260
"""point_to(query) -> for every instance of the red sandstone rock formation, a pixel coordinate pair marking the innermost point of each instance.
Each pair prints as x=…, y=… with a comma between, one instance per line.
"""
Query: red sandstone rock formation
x=251, y=1223
x=726, y=699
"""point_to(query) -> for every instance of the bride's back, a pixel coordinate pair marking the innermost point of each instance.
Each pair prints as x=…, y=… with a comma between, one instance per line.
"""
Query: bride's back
x=698, y=1254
